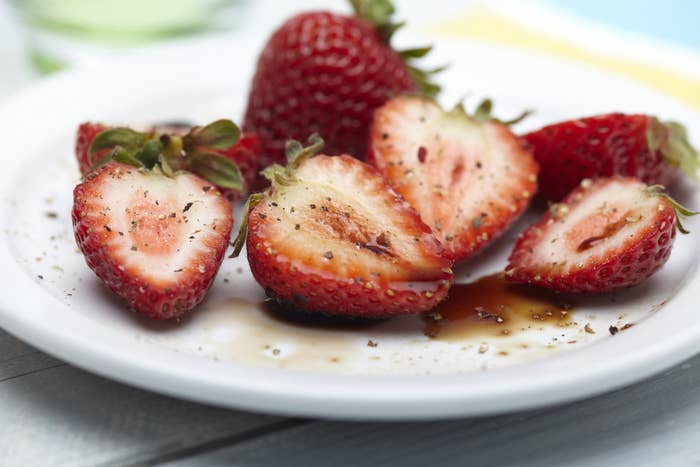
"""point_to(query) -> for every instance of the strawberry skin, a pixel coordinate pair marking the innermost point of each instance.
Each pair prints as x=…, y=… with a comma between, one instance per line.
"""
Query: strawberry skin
x=84, y=136
x=605, y=145
x=155, y=241
x=325, y=73
x=339, y=241
x=469, y=178
x=607, y=234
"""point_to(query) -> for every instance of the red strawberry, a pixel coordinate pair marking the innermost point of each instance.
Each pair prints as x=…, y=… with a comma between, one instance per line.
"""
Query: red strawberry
x=468, y=177
x=326, y=73
x=331, y=236
x=86, y=133
x=156, y=241
x=197, y=144
x=614, y=144
x=606, y=234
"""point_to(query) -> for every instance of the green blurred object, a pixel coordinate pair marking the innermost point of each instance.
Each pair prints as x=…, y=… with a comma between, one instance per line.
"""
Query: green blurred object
x=65, y=32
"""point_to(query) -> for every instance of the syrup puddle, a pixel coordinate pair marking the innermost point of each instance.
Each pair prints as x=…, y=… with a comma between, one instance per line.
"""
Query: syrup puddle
x=492, y=307
x=485, y=324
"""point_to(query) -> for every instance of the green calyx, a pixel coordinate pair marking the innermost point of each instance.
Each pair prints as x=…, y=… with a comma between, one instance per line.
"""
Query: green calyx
x=196, y=152
x=680, y=210
x=379, y=14
x=671, y=138
x=483, y=113
x=279, y=176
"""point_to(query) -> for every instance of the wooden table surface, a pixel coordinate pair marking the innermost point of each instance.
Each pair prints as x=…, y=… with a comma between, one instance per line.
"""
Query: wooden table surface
x=52, y=413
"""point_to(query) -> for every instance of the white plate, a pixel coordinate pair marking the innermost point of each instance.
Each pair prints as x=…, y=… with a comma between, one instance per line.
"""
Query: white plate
x=230, y=353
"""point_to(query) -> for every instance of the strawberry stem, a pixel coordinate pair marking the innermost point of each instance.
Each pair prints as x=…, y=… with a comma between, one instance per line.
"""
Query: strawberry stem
x=238, y=243
x=483, y=113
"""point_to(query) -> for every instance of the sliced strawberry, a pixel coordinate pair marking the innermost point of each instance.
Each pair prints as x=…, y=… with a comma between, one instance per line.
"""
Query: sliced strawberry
x=613, y=144
x=468, y=177
x=607, y=234
x=331, y=236
x=156, y=241
x=183, y=147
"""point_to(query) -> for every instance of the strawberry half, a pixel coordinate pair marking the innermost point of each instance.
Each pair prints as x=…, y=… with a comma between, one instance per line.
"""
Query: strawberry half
x=638, y=146
x=320, y=64
x=331, y=236
x=185, y=147
x=469, y=177
x=607, y=234
x=156, y=239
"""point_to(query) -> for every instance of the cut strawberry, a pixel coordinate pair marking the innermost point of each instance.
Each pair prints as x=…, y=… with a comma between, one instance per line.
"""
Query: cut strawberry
x=613, y=144
x=183, y=147
x=157, y=241
x=607, y=234
x=468, y=176
x=331, y=236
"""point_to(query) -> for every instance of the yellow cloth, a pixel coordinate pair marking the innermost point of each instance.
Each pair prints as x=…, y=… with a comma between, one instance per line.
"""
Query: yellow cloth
x=492, y=27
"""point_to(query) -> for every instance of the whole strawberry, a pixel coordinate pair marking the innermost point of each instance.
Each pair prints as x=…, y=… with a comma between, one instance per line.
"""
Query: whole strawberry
x=197, y=144
x=607, y=234
x=326, y=73
x=331, y=236
x=638, y=146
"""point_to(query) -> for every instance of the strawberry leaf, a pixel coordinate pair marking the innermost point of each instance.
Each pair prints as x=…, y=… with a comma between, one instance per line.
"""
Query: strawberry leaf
x=216, y=169
x=124, y=137
x=221, y=134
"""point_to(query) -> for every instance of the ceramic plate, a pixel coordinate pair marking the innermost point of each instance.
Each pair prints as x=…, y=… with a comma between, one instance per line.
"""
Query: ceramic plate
x=233, y=352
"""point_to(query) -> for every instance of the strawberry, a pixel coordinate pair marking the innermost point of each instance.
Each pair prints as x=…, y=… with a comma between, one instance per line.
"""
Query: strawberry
x=607, y=234
x=469, y=177
x=154, y=236
x=614, y=144
x=331, y=236
x=220, y=138
x=85, y=134
x=326, y=73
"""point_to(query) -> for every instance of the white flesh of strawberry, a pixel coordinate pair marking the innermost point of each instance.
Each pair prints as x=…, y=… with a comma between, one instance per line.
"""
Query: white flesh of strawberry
x=337, y=202
x=624, y=201
x=183, y=235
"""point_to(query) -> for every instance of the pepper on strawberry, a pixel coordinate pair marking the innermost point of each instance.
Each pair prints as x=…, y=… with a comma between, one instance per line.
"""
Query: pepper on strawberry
x=607, y=234
x=468, y=176
x=152, y=231
x=329, y=235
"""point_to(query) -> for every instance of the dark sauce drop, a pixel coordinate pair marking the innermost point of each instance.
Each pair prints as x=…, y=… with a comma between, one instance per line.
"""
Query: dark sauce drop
x=493, y=307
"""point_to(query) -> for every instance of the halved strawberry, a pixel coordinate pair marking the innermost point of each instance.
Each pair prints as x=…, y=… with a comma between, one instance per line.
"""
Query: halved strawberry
x=607, y=234
x=331, y=236
x=468, y=176
x=184, y=147
x=613, y=144
x=157, y=241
